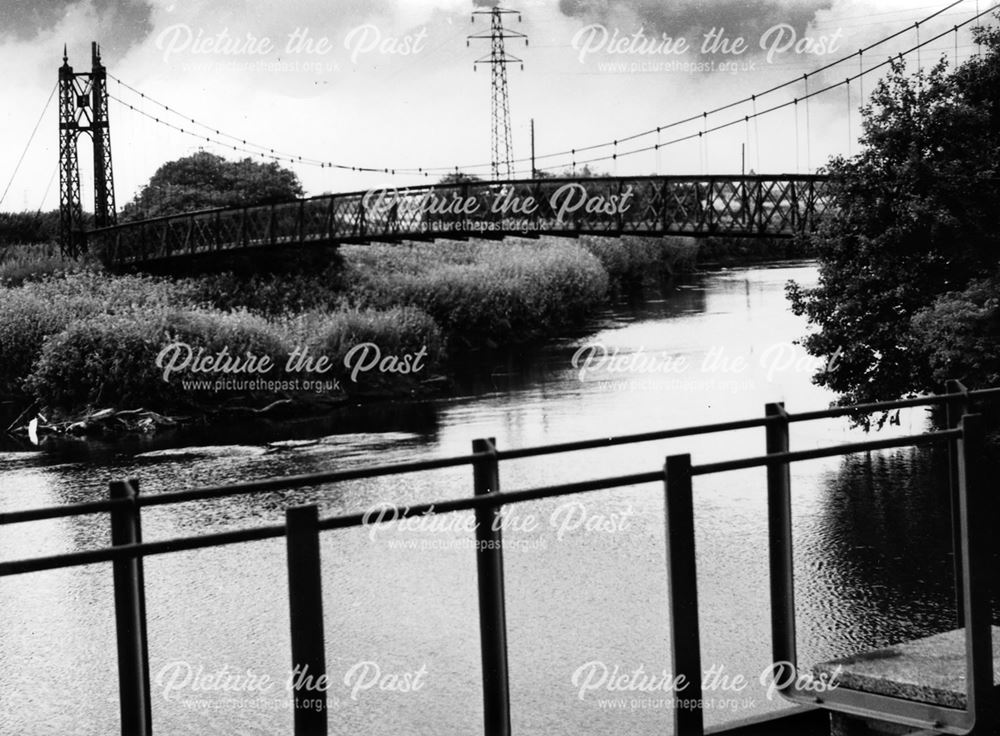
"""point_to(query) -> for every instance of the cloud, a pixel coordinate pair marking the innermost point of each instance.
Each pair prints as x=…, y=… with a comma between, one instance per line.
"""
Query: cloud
x=120, y=23
x=693, y=18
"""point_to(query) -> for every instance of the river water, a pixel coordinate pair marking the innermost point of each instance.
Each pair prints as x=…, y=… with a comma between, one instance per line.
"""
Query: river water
x=585, y=577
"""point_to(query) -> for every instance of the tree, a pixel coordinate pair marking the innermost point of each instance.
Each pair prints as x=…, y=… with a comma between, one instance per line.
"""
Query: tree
x=459, y=177
x=28, y=227
x=915, y=224
x=204, y=180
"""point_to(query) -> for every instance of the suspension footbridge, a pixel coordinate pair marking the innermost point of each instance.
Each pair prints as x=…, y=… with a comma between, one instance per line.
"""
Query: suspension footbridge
x=463, y=206
x=748, y=206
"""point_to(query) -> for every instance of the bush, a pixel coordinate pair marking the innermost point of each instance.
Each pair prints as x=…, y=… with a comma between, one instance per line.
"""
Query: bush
x=960, y=334
x=278, y=283
x=239, y=331
x=399, y=332
x=26, y=320
x=111, y=293
x=483, y=293
x=112, y=357
x=102, y=359
x=633, y=262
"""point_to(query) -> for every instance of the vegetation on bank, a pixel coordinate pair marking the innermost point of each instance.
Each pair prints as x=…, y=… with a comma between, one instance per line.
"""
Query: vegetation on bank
x=75, y=338
x=909, y=287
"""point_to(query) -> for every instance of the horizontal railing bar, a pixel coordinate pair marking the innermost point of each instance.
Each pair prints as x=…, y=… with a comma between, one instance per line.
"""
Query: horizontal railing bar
x=982, y=393
x=494, y=499
x=216, y=539
x=846, y=449
x=289, y=482
x=462, y=504
x=663, y=434
x=55, y=512
x=125, y=551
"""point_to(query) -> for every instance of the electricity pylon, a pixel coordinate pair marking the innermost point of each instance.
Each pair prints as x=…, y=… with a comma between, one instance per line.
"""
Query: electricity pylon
x=498, y=59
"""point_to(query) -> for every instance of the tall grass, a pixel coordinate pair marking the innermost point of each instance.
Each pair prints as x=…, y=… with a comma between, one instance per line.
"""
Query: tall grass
x=377, y=349
x=27, y=262
x=636, y=262
x=72, y=335
x=481, y=292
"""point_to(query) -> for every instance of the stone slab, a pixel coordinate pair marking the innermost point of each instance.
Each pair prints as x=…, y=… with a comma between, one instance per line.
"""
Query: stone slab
x=928, y=670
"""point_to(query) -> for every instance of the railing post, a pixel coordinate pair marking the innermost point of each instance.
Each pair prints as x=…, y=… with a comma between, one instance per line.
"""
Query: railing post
x=665, y=189
x=710, y=209
x=620, y=216
x=328, y=229
x=779, y=522
x=682, y=586
x=744, y=204
x=954, y=410
x=758, y=193
x=492, y=614
x=975, y=515
x=700, y=208
x=811, y=204
x=305, y=604
x=130, y=615
x=794, y=206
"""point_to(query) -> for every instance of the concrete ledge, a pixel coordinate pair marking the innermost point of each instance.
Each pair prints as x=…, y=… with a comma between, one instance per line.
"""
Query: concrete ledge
x=928, y=670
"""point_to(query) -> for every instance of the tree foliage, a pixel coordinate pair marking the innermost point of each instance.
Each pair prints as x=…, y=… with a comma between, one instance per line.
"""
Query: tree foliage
x=17, y=228
x=916, y=224
x=203, y=181
x=459, y=177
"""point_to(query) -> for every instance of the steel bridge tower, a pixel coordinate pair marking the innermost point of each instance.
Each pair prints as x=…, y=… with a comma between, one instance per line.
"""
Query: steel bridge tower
x=498, y=59
x=83, y=108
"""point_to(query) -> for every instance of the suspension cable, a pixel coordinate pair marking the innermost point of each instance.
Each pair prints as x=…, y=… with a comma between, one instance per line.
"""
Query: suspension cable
x=27, y=145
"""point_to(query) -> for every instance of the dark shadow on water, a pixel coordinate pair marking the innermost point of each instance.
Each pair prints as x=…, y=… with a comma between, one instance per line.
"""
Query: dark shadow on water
x=412, y=417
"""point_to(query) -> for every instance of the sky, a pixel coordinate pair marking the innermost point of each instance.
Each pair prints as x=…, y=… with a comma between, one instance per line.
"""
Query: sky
x=393, y=84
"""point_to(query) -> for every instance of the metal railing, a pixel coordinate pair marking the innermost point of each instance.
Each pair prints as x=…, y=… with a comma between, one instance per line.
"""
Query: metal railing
x=752, y=205
x=303, y=526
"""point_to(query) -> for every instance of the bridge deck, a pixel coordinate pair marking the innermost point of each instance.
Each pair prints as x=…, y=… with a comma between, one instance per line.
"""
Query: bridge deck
x=748, y=206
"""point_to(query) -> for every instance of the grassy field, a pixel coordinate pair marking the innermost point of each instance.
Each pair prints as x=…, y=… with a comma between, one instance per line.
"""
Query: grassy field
x=74, y=337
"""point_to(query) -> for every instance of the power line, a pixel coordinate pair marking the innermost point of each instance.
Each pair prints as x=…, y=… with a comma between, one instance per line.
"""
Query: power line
x=758, y=95
x=254, y=149
x=783, y=105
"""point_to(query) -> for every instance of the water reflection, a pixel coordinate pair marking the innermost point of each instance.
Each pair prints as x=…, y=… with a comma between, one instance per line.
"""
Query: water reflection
x=875, y=552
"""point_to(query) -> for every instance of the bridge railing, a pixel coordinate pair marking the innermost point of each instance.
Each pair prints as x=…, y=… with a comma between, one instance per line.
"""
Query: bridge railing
x=304, y=525
x=749, y=206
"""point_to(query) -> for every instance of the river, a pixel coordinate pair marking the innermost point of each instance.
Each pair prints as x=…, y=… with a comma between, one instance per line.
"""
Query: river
x=585, y=578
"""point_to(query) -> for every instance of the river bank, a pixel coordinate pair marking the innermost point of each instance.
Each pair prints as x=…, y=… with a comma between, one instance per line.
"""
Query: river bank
x=88, y=352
